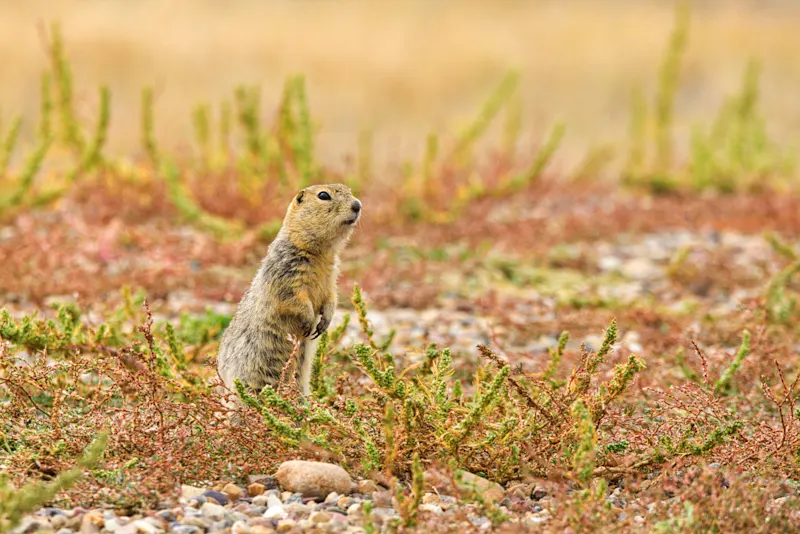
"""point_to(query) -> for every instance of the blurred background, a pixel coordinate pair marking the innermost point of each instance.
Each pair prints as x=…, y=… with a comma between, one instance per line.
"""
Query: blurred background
x=401, y=69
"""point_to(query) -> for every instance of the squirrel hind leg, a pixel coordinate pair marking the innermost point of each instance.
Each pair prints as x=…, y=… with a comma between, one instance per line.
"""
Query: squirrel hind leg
x=307, y=352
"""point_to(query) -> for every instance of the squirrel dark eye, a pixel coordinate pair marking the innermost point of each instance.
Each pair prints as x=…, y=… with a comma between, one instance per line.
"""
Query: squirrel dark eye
x=323, y=195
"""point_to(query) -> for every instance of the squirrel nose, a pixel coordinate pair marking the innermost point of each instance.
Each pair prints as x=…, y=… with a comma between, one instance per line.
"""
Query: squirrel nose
x=356, y=205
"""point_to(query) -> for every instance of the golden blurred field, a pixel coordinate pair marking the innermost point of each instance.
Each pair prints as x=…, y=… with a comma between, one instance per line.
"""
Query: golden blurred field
x=400, y=69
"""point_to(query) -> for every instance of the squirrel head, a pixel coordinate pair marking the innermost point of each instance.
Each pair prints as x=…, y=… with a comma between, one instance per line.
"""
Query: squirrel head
x=321, y=218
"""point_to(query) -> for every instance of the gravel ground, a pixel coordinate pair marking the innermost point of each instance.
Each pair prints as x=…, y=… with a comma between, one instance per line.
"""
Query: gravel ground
x=640, y=268
x=263, y=507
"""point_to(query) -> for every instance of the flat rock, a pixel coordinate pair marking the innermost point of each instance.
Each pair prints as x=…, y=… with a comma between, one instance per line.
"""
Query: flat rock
x=313, y=479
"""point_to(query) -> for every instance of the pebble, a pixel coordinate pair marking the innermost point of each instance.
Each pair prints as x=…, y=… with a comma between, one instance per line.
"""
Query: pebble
x=187, y=491
x=197, y=522
x=275, y=511
x=488, y=490
x=197, y=502
x=538, y=493
x=217, y=496
x=260, y=500
x=434, y=508
x=167, y=516
x=233, y=492
x=214, y=512
x=285, y=525
x=92, y=521
x=267, y=481
x=367, y=487
x=355, y=509
x=145, y=527
x=298, y=498
x=479, y=521
x=319, y=517
x=255, y=489
x=297, y=508
x=255, y=511
x=273, y=501
x=541, y=517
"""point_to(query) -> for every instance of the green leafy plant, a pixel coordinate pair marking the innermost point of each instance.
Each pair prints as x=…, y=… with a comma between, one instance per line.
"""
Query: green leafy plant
x=735, y=153
x=422, y=409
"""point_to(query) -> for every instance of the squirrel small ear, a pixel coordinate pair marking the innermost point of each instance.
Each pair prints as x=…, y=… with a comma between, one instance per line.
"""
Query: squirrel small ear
x=300, y=197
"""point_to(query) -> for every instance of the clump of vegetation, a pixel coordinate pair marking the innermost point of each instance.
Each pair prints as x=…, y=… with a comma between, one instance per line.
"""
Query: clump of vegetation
x=140, y=379
x=251, y=165
x=735, y=153
x=781, y=299
x=15, y=503
x=422, y=410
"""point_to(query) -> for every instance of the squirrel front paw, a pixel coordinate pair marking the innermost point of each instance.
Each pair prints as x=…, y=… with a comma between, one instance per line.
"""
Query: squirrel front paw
x=322, y=325
x=307, y=327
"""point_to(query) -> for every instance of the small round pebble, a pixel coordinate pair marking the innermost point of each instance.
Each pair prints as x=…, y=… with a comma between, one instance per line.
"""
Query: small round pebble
x=261, y=500
x=233, y=492
x=255, y=489
x=320, y=517
x=219, y=497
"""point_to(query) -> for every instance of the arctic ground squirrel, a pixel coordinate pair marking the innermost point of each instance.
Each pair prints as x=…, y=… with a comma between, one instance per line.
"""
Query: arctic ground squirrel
x=293, y=292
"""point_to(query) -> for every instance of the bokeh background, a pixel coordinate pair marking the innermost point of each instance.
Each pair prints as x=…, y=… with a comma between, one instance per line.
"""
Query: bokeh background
x=402, y=69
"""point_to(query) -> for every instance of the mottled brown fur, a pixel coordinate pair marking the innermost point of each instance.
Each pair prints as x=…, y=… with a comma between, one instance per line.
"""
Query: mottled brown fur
x=294, y=291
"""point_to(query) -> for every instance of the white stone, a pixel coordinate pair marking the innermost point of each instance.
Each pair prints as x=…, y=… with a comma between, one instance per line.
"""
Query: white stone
x=275, y=512
x=215, y=512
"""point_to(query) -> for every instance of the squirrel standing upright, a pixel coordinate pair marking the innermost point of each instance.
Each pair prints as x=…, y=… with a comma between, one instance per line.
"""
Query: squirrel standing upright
x=294, y=291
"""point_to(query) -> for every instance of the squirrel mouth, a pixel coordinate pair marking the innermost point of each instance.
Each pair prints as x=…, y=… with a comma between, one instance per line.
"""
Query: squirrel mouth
x=351, y=221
